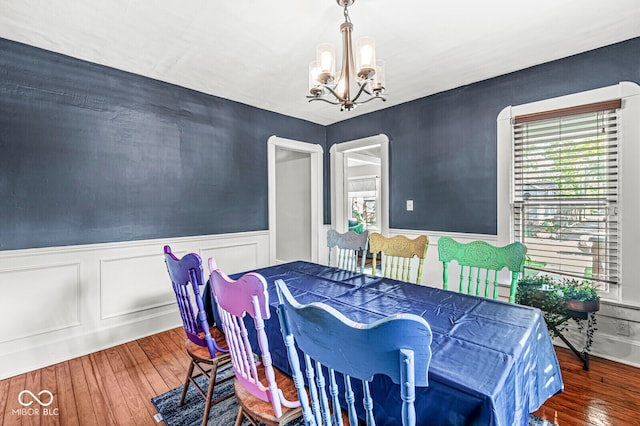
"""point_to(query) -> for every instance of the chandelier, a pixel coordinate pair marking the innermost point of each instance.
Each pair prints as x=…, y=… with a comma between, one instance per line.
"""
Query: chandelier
x=351, y=86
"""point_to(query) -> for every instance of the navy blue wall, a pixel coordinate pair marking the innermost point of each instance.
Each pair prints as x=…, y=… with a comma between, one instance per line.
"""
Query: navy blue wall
x=443, y=147
x=91, y=154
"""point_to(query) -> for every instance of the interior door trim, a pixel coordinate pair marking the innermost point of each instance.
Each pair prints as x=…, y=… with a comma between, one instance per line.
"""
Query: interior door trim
x=316, y=153
x=338, y=193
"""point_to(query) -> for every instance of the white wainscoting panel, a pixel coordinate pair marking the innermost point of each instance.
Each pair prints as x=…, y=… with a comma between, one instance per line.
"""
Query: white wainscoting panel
x=59, y=303
x=39, y=300
x=133, y=284
x=232, y=258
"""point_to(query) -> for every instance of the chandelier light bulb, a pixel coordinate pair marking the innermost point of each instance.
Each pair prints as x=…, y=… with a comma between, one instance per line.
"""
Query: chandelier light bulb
x=366, y=54
x=326, y=60
x=315, y=86
x=378, y=81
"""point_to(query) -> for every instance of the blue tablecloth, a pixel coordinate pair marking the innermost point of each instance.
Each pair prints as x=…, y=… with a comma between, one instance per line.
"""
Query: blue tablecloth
x=493, y=362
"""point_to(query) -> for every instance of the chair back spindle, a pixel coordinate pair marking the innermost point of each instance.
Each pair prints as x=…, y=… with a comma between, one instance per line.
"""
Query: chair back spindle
x=348, y=250
x=480, y=265
x=397, y=346
x=399, y=252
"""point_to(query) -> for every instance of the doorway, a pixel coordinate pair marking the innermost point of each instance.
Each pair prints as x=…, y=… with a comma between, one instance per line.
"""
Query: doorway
x=360, y=184
x=295, y=200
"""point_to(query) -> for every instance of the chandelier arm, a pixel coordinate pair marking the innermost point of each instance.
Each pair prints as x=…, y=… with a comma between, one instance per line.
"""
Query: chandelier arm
x=362, y=87
x=313, y=98
x=368, y=92
x=340, y=98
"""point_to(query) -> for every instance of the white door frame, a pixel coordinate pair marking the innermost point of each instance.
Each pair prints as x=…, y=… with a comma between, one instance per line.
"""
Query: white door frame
x=338, y=184
x=316, y=153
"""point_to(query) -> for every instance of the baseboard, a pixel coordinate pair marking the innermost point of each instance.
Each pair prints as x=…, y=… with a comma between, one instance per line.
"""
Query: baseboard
x=50, y=352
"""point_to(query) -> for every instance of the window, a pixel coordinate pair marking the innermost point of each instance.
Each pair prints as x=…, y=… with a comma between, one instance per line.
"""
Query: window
x=363, y=198
x=584, y=221
x=565, y=191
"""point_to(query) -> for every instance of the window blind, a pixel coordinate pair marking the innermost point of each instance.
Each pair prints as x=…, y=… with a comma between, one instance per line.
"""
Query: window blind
x=565, y=191
x=366, y=184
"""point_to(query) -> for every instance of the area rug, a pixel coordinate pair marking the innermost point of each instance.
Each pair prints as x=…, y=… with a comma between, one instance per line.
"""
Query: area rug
x=223, y=413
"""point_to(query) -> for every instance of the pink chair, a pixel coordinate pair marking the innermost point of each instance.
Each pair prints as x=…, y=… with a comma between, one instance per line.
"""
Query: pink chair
x=276, y=402
x=206, y=346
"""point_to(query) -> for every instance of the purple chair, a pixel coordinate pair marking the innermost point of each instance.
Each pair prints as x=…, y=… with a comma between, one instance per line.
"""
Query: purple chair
x=206, y=346
x=265, y=394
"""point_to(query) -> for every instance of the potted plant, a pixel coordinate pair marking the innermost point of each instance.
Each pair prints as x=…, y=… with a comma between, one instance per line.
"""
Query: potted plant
x=581, y=297
x=561, y=300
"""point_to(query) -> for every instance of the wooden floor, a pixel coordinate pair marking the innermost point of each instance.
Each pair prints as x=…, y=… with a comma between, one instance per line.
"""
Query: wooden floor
x=115, y=386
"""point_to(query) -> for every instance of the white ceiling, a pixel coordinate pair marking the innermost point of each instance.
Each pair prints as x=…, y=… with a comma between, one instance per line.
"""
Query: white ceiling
x=257, y=52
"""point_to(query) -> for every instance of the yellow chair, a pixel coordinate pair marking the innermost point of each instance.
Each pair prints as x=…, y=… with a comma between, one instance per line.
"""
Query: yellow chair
x=399, y=252
x=481, y=262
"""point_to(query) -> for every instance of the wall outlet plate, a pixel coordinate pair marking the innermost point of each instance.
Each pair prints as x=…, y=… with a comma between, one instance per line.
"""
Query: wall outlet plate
x=409, y=205
x=622, y=327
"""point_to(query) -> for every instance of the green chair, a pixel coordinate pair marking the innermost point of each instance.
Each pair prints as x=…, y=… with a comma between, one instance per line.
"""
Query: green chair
x=480, y=263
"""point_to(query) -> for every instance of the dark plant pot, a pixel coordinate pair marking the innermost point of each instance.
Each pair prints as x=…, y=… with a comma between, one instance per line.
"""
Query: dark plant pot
x=538, y=298
x=581, y=308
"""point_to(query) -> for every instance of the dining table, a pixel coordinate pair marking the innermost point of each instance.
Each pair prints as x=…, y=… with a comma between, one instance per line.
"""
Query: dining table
x=493, y=362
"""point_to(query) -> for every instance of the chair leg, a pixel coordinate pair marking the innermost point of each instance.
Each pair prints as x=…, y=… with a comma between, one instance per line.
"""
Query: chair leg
x=239, y=418
x=208, y=402
x=186, y=384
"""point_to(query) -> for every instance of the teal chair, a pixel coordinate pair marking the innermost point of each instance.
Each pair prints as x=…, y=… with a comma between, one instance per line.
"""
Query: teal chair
x=480, y=263
x=355, y=226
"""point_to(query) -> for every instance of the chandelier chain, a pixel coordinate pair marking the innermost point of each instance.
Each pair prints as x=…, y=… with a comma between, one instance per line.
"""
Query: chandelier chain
x=346, y=13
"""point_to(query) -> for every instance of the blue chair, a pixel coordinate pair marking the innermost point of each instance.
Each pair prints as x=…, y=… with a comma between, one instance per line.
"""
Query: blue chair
x=351, y=249
x=397, y=346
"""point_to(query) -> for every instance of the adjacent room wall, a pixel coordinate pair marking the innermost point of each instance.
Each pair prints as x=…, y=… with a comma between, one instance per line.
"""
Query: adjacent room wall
x=293, y=205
